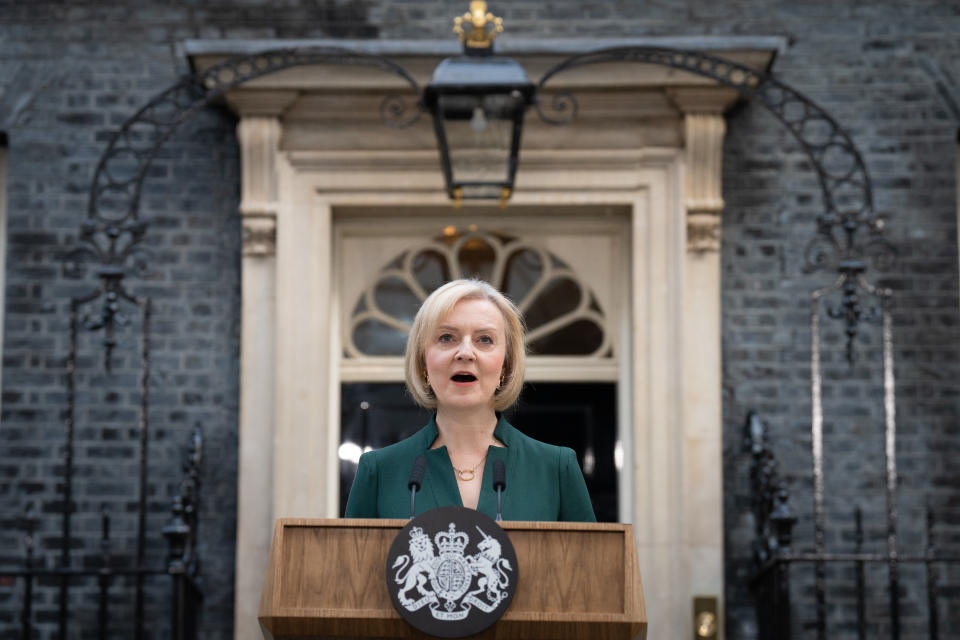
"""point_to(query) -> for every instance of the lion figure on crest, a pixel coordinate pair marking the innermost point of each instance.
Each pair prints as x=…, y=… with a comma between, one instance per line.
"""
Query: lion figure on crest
x=420, y=571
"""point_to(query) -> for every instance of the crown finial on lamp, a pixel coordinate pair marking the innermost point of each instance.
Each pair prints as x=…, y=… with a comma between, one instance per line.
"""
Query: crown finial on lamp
x=483, y=26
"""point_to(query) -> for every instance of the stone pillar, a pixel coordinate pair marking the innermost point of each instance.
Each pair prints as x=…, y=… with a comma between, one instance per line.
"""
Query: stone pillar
x=657, y=276
x=259, y=137
x=704, y=129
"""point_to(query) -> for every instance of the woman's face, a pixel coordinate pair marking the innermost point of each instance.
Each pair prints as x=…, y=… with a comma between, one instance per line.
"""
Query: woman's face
x=465, y=355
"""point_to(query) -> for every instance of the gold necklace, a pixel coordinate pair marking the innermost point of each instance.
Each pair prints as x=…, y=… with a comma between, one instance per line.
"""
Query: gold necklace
x=467, y=475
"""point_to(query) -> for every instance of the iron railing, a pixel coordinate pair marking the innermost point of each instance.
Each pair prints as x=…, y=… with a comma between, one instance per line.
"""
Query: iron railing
x=776, y=560
x=848, y=236
x=110, y=575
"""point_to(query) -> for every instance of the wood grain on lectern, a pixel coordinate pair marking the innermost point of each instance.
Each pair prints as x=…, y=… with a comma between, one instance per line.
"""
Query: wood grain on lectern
x=326, y=579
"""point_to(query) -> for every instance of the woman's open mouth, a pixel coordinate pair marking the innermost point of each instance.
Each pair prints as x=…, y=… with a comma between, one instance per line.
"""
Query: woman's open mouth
x=464, y=378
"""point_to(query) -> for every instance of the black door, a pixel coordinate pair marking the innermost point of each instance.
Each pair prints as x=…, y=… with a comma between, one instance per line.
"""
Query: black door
x=581, y=416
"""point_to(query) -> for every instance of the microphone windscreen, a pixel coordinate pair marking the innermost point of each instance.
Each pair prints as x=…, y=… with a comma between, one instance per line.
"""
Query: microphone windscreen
x=499, y=474
x=416, y=474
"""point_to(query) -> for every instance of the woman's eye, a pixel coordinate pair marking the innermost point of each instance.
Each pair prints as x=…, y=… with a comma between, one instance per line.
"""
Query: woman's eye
x=445, y=337
x=485, y=340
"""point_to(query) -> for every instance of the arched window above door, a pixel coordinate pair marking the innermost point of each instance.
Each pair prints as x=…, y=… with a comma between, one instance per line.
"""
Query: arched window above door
x=562, y=313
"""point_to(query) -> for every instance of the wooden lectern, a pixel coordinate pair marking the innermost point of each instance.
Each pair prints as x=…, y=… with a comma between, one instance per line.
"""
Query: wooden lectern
x=326, y=579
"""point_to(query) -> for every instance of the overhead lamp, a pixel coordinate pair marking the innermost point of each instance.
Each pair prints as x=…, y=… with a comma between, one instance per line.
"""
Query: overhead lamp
x=478, y=101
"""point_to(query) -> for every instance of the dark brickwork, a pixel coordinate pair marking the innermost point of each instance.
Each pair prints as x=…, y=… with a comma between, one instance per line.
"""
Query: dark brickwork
x=871, y=73
x=73, y=72
x=71, y=76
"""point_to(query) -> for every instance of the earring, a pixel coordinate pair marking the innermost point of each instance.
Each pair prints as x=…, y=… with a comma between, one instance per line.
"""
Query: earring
x=429, y=389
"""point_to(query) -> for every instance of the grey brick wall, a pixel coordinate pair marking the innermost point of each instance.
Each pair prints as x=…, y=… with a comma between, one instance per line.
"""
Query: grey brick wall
x=71, y=76
x=72, y=72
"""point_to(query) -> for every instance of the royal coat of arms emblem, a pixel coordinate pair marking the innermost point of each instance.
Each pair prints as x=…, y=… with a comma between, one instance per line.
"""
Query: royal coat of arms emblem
x=451, y=572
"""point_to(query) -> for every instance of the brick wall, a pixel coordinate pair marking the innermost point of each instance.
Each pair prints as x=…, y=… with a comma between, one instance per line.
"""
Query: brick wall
x=72, y=73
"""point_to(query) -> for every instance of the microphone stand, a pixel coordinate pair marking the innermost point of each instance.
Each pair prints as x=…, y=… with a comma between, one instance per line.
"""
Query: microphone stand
x=499, y=483
x=416, y=478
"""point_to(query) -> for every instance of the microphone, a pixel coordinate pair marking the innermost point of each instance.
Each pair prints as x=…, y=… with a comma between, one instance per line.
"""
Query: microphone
x=416, y=479
x=499, y=483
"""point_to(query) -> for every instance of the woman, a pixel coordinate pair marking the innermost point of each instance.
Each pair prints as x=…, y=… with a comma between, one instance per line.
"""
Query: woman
x=465, y=358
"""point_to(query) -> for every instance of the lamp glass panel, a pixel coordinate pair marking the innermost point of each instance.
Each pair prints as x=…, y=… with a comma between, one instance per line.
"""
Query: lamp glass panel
x=479, y=130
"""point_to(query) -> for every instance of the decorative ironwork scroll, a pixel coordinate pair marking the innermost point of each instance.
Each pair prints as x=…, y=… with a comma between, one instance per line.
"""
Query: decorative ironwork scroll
x=848, y=236
x=111, y=240
x=113, y=233
x=112, y=237
x=848, y=214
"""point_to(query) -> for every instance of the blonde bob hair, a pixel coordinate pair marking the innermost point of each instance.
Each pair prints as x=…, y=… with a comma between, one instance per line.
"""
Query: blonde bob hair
x=434, y=309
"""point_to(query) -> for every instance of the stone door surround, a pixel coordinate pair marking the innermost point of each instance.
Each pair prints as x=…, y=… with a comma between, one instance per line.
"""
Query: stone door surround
x=647, y=140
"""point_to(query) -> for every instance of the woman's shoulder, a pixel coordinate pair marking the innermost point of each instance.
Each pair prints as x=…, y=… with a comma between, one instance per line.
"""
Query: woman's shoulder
x=514, y=437
x=410, y=446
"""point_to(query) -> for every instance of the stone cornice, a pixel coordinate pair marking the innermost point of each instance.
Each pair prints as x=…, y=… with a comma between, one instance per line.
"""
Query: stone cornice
x=420, y=58
x=506, y=45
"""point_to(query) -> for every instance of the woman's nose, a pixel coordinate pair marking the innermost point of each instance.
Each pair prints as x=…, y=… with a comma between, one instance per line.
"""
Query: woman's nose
x=465, y=350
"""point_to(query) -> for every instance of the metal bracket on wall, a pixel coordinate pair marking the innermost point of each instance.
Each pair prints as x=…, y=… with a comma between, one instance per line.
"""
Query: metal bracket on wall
x=847, y=230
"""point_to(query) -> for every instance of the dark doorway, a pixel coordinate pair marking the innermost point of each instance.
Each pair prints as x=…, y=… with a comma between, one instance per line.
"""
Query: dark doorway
x=581, y=416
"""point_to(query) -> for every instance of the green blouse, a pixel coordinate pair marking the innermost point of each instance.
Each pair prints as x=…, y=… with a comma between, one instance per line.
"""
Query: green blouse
x=544, y=482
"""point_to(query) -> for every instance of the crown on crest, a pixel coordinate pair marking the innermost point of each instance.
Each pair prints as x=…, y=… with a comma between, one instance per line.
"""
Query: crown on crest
x=452, y=541
x=416, y=533
x=482, y=26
